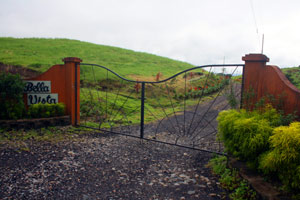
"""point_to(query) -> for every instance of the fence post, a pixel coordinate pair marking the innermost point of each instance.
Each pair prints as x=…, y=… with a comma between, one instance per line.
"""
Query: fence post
x=72, y=87
x=254, y=72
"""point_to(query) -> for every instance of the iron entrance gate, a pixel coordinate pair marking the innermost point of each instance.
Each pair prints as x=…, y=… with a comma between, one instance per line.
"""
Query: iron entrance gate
x=180, y=110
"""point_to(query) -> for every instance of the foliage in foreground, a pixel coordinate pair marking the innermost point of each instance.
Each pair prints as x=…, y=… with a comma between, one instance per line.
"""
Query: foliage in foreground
x=11, y=96
x=230, y=180
x=284, y=155
x=257, y=138
x=245, y=134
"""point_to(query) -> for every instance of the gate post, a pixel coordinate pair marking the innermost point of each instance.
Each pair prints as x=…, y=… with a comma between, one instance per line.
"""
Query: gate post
x=72, y=85
x=254, y=72
x=142, y=110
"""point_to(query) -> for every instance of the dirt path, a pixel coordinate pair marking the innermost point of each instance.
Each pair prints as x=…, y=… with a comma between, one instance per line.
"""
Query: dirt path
x=106, y=167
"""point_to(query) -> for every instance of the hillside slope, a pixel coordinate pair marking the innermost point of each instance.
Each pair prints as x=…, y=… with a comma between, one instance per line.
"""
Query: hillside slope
x=293, y=74
x=40, y=54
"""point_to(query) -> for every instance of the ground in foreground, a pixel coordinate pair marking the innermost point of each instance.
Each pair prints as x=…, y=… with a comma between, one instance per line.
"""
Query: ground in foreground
x=99, y=166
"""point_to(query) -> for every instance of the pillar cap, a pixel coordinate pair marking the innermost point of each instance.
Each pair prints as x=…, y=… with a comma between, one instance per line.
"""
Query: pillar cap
x=255, y=57
x=72, y=59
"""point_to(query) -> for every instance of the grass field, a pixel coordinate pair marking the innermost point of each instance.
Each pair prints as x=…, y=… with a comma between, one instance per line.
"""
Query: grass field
x=40, y=54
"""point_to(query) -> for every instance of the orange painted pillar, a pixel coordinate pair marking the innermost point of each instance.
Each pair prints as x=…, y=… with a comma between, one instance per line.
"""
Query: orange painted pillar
x=72, y=88
x=266, y=80
x=254, y=72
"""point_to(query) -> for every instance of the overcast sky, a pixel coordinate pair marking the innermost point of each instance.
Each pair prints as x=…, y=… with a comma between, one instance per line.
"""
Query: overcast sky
x=196, y=31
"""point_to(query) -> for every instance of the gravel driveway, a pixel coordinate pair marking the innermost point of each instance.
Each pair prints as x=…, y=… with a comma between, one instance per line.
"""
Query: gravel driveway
x=104, y=166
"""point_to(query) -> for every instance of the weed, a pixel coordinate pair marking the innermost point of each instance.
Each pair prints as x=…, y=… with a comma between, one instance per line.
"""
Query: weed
x=243, y=192
x=218, y=164
x=231, y=98
x=230, y=180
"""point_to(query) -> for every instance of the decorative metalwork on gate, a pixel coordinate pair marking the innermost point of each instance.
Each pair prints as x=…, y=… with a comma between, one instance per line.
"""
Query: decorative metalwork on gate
x=179, y=110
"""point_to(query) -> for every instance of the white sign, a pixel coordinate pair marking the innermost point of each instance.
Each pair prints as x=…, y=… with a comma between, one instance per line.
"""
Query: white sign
x=37, y=87
x=42, y=98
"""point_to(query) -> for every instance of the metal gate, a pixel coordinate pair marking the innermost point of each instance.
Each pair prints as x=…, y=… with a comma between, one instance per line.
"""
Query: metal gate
x=180, y=110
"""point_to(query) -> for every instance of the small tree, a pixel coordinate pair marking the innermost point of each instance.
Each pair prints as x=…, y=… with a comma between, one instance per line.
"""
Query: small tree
x=11, y=96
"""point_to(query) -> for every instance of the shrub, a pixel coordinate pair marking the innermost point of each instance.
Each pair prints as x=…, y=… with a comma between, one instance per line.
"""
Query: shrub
x=245, y=134
x=256, y=138
x=285, y=120
x=46, y=110
x=11, y=96
x=284, y=156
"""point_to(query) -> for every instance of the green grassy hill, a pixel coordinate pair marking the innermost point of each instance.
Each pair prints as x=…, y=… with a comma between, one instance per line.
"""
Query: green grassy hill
x=40, y=54
x=293, y=74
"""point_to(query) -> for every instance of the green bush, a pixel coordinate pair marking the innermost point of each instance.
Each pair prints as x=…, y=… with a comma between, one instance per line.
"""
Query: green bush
x=11, y=96
x=259, y=138
x=245, y=134
x=284, y=156
x=46, y=110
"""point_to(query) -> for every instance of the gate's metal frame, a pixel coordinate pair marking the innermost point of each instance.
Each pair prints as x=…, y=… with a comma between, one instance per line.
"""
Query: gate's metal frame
x=156, y=82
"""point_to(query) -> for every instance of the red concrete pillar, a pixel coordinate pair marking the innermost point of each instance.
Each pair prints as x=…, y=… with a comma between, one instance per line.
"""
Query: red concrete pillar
x=254, y=72
x=72, y=88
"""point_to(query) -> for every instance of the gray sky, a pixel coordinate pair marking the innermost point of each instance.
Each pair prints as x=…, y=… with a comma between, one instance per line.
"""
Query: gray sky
x=196, y=31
